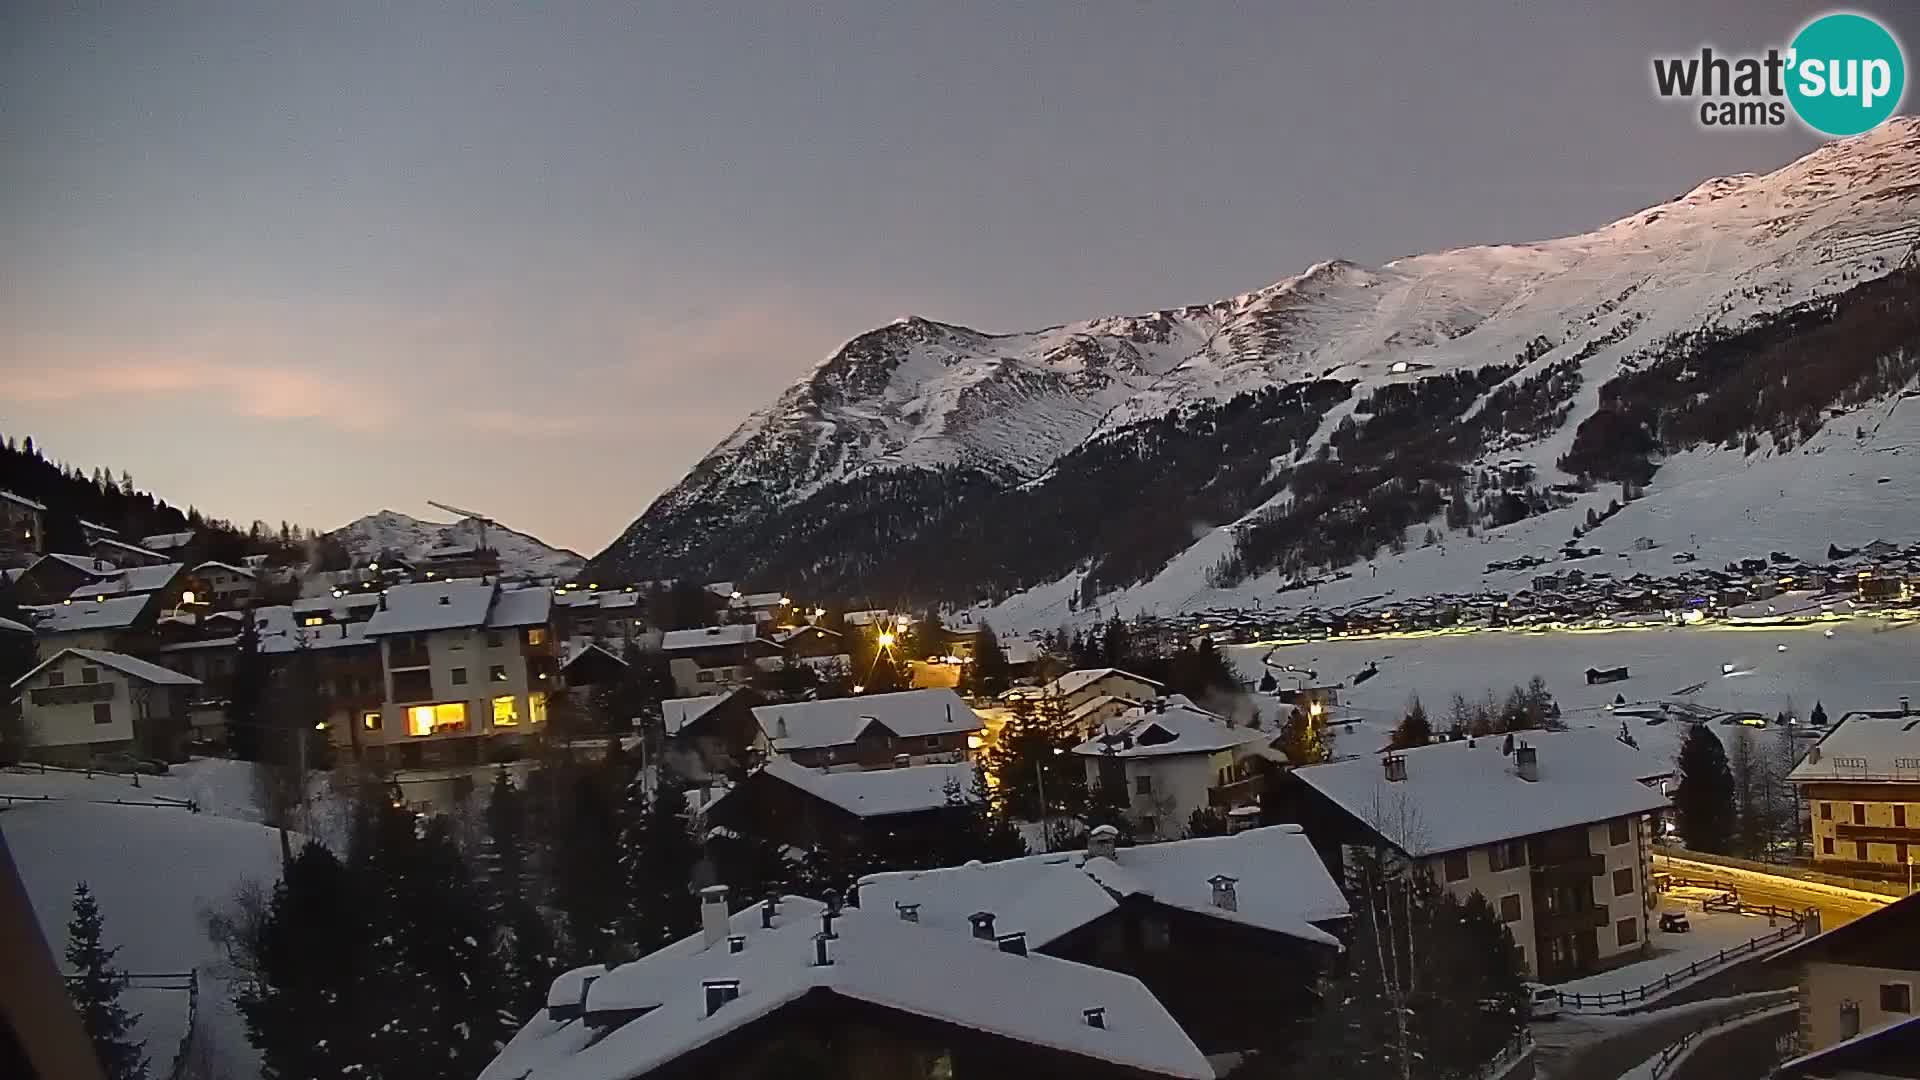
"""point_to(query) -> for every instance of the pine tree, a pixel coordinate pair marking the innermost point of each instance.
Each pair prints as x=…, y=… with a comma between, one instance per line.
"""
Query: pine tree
x=1206, y=821
x=1818, y=718
x=1302, y=739
x=971, y=828
x=95, y=989
x=247, y=691
x=523, y=942
x=657, y=855
x=987, y=675
x=586, y=857
x=1703, y=804
x=301, y=1009
x=1033, y=739
x=1415, y=729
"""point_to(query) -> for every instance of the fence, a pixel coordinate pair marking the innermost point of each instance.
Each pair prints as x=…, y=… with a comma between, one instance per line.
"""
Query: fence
x=1675, y=1050
x=1796, y=921
x=172, y=980
x=1509, y=1055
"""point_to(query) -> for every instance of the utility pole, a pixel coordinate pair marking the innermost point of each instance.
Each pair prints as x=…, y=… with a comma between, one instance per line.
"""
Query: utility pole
x=1046, y=833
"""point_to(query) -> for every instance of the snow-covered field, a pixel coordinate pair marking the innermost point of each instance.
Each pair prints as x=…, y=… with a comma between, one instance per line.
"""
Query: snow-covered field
x=152, y=868
x=1866, y=663
x=216, y=785
x=1672, y=953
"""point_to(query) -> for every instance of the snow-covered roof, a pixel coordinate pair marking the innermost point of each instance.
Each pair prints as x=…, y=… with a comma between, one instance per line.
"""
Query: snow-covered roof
x=1281, y=885
x=122, y=545
x=1076, y=679
x=12, y=627
x=761, y=600
x=167, y=541
x=877, y=959
x=131, y=666
x=606, y=598
x=572, y=652
x=21, y=500
x=109, y=614
x=343, y=603
x=706, y=637
x=131, y=581
x=1022, y=651
x=679, y=712
x=1179, y=728
x=1465, y=794
x=94, y=526
x=432, y=605
x=838, y=721
x=521, y=607
x=1093, y=705
x=86, y=564
x=215, y=564
x=279, y=631
x=876, y=792
x=791, y=632
x=1865, y=746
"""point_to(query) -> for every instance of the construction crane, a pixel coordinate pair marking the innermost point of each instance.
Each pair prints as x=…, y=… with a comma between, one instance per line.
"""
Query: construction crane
x=480, y=521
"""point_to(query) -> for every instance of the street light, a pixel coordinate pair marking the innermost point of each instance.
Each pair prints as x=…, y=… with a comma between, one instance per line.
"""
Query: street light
x=885, y=639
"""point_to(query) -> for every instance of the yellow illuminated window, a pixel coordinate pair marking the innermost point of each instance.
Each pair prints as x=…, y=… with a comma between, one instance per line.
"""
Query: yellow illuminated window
x=537, y=707
x=504, y=713
x=313, y=620
x=371, y=721
x=428, y=719
x=536, y=635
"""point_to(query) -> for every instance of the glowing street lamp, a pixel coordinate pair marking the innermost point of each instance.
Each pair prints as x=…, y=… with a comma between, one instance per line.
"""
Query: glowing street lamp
x=885, y=639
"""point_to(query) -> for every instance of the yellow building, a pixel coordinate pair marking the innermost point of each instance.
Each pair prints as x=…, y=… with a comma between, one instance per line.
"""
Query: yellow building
x=1861, y=785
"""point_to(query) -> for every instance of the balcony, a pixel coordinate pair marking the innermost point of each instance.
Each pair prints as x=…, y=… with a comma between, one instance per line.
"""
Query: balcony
x=76, y=694
x=1571, y=922
x=1883, y=834
x=1571, y=866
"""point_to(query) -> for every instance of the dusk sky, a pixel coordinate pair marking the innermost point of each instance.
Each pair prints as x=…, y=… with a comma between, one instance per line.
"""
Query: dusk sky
x=312, y=262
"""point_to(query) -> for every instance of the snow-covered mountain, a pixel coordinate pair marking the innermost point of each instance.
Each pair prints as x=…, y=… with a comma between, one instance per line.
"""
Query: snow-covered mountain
x=897, y=434
x=390, y=530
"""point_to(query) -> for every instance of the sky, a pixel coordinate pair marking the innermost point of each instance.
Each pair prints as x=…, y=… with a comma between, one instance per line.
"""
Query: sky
x=309, y=261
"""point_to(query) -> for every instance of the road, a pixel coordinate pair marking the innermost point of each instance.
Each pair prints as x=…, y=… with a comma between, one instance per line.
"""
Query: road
x=1836, y=905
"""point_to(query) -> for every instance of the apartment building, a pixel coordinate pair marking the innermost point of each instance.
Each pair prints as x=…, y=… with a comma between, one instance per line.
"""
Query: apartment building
x=81, y=703
x=462, y=662
x=1170, y=758
x=710, y=659
x=1861, y=783
x=1554, y=829
x=22, y=529
x=1859, y=978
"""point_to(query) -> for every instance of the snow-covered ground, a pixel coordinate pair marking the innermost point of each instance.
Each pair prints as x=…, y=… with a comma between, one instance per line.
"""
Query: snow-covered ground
x=1671, y=954
x=1866, y=663
x=153, y=869
x=217, y=786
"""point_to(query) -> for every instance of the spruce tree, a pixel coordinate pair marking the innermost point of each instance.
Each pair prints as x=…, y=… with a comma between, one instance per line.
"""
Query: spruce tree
x=95, y=989
x=1303, y=739
x=301, y=1012
x=1033, y=739
x=1703, y=803
x=523, y=943
x=1415, y=729
x=1818, y=718
x=987, y=675
x=246, y=720
x=657, y=855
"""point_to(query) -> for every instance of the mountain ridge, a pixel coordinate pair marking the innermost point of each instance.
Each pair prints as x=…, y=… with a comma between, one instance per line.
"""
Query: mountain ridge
x=390, y=530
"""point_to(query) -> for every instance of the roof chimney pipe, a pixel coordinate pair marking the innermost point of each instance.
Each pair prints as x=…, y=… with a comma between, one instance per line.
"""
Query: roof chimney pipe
x=1526, y=762
x=719, y=992
x=1014, y=944
x=822, y=954
x=768, y=909
x=907, y=912
x=1395, y=766
x=1102, y=842
x=1096, y=1017
x=1224, y=897
x=982, y=925
x=713, y=914
x=736, y=943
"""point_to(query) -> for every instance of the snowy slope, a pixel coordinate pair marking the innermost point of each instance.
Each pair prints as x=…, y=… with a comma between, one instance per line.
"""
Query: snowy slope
x=926, y=395
x=390, y=530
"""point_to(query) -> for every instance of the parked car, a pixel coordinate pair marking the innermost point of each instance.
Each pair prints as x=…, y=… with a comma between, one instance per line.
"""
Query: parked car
x=1543, y=1002
x=120, y=762
x=1674, y=922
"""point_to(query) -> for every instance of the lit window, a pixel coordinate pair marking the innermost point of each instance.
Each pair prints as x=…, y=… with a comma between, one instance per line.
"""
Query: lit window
x=504, y=713
x=536, y=635
x=429, y=719
x=314, y=620
x=370, y=721
x=537, y=707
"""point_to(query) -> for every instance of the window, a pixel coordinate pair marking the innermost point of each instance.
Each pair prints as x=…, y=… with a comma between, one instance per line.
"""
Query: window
x=1508, y=855
x=1899, y=817
x=1510, y=908
x=459, y=676
x=704, y=676
x=370, y=721
x=1860, y=850
x=1617, y=832
x=56, y=677
x=314, y=620
x=537, y=708
x=1859, y=813
x=494, y=640
x=457, y=641
x=1826, y=845
x=933, y=742
x=1826, y=811
x=1849, y=1019
x=89, y=674
x=536, y=635
x=1626, y=931
x=103, y=712
x=497, y=673
x=504, y=712
x=1896, y=997
x=1454, y=867
x=1623, y=881
x=432, y=719
x=1143, y=785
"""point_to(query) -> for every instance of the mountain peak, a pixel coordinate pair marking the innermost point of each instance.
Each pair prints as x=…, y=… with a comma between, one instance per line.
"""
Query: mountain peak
x=391, y=530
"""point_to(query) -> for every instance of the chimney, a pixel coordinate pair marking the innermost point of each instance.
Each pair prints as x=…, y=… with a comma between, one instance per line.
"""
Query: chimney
x=1813, y=756
x=768, y=909
x=901, y=761
x=1526, y=762
x=822, y=954
x=1102, y=841
x=586, y=984
x=1395, y=766
x=1014, y=944
x=982, y=924
x=1906, y=705
x=826, y=924
x=713, y=914
x=907, y=912
x=736, y=943
x=1096, y=1017
x=719, y=992
x=1223, y=894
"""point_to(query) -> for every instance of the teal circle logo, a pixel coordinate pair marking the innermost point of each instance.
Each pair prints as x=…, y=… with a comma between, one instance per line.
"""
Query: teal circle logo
x=1847, y=74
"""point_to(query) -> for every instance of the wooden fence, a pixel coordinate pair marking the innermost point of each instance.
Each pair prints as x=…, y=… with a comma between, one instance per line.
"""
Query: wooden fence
x=1796, y=923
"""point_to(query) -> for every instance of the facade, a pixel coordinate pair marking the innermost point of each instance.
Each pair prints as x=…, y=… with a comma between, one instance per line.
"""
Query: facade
x=222, y=585
x=81, y=703
x=1172, y=758
x=50, y=579
x=1858, y=977
x=610, y=618
x=122, y=554
x=1554, y=829
x=1861, y=783
x=713, y=658
x=462, y=662
x=713, y=735
x=1075, y=688
x=926, y=727
x=23, y=530
x=117, y=623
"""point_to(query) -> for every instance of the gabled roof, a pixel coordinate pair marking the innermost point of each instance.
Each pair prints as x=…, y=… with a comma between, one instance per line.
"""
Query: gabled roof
x=132, y=581
x=838, y=721
x=122, y=545
x=421, y=606
x=1865, y=747
x=21, y=500
x=707, y=637
x=593, y=648
x=1281, y=885
x=521, y=607
x=1180, y=727
x=878, y=960
x=867, y=793
x=11, y=627
x=1465, y=794
x=679, y=712
x=1887, y=937
x=92, y=567
x=215, y=564
x=1890, y=1050
x=1074, y=680
x=167, y=541
x=111, y=614
x=784, y=636
x=130, y=666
